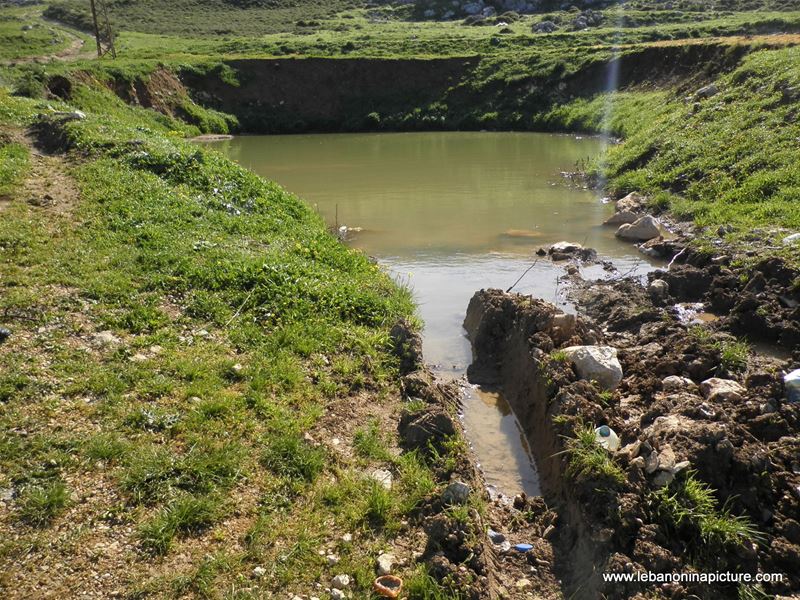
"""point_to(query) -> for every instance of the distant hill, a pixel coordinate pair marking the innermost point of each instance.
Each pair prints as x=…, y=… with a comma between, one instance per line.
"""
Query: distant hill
x=202, y=17
x=259, y=17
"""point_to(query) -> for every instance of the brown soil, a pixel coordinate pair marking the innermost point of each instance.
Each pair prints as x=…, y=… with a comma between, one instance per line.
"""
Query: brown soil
x=746, y=448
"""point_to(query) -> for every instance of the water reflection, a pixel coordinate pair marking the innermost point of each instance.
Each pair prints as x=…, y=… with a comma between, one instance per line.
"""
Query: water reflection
x=451, y=213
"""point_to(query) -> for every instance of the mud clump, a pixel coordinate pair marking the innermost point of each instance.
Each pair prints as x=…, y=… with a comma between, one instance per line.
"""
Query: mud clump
x=707, y=476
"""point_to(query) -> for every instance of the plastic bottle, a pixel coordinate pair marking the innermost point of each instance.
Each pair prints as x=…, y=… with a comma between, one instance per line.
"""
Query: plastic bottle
x=792, y=384
x=607, y=438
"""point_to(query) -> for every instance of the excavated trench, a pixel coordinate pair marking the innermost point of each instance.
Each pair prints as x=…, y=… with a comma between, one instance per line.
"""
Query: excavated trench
x=683, y=412
x=505, y=357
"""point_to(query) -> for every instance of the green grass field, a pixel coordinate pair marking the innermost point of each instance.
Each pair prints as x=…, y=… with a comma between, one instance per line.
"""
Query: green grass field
x=188, y=339
x=237, y=332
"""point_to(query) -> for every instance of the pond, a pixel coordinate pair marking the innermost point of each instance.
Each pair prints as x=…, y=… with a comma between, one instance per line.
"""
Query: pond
x=449, y=214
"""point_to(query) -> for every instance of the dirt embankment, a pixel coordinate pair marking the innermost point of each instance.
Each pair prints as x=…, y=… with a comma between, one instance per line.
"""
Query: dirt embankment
x=293, y=95
x=321, y=94
x=708, y=476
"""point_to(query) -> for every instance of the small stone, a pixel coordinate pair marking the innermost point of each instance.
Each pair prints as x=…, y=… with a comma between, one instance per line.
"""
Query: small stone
x=523, y=584
x=596, y=363
x=340, y=582
x=642, y=230
x=633, y=202
x=383, y=477
x=105, y=339
x=4, y=334
x=347, y=538
x=651, y=463
x=385, y=564
x=332, y=559
x=658, y=289
x=565, y=248
x=496, y=537
x=337, y=594
x=684, y=464
x=666, y=459
x=623, y=217
x=674, y=384
x=722, y=389
x=259, y=572
x=456, y=493
x=663, y=478
x=707, y=91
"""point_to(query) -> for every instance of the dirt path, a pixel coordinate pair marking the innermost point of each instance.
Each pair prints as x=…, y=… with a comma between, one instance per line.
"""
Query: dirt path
x=78, y=49
x=47, y=183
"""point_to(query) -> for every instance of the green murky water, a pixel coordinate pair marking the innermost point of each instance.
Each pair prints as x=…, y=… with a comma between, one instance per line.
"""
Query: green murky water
x=451, y=213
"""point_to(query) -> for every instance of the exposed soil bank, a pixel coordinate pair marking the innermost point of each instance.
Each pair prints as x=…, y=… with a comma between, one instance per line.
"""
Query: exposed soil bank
x=742, y=442
x=294, y=95
x=363, y=94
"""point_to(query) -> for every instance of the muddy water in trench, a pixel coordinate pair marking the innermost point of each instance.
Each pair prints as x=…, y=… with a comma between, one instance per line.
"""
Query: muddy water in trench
x=451, y=213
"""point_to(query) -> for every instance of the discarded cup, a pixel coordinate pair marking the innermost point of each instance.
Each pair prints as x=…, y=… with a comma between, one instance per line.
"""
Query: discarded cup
x=388, y=586
x=792, y=384
x=523, y=547
x=607, y=438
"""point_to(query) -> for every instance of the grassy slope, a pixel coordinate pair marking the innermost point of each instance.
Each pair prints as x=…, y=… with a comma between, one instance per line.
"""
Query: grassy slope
x=730, y=159
x=387, y=31
x=240, y=324
x=24, y=34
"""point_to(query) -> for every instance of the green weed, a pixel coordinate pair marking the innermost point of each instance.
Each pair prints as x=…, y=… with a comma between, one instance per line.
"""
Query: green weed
x=689, y=510
x=39, y=504
x=186, y=514
x=589, y=459
x=289, y=455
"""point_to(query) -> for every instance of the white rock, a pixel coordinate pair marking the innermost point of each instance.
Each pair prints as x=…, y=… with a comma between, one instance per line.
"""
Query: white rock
x=791, y=239
x=641, y=230
x=651, y=463
x=383, y=477
x=623, y=217
x=674, y=383
x=337, y=594
x=721, y=389
x=596, y=363
x=347, y=538
x=332, y=559
x=658, y=289
x=259, y=572
x=631, y=203
x=565, y=247
x=105, y=339
x=456, y=493
x=340, y=582
x=385, y=564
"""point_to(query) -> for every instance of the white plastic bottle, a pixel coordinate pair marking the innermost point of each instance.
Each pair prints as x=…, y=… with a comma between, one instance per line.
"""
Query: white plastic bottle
x=792, y=384
x=607, y=438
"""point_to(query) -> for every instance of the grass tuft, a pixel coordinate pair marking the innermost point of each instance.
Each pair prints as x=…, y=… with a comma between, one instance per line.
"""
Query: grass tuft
x=588, y=459
x=289, y=455
x=41, y=503
x=188, y=514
